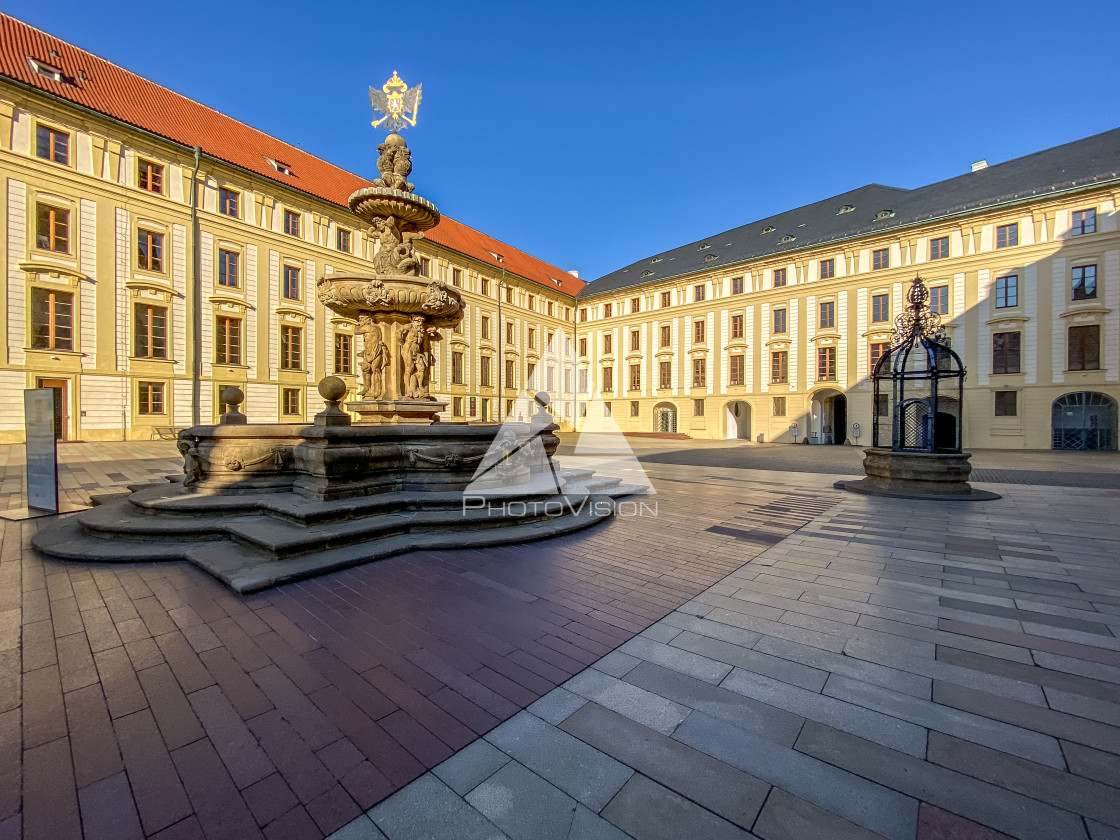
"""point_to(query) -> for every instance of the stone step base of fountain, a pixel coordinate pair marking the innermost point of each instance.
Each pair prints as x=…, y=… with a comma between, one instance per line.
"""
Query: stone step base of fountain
x=259, y=540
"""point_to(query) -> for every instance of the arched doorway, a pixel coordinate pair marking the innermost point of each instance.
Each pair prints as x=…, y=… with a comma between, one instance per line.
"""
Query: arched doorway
x=1083, y=420
x=828, y=420
x=737, y=420
x=665, y=417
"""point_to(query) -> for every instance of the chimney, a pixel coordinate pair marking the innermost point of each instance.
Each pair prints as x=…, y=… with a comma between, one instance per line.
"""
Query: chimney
x=574, y=273
x=980, y=164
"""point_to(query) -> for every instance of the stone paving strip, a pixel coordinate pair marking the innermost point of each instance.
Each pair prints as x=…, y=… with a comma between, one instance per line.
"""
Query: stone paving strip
x=955, y=679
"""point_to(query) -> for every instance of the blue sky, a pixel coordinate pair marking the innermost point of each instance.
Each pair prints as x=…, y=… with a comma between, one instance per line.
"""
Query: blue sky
x=595, y=134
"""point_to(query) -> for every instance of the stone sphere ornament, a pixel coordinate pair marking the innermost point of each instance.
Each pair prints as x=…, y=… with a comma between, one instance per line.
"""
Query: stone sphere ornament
x=232, y=396
x=332, y=388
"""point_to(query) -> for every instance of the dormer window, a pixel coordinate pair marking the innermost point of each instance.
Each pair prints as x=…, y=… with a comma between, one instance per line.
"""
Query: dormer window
x=498, y=257
x=789, y=237
x=847, y=208
x=46, y=70
x=884, y=214
x=768, y=229
x=704, y=247
x=711, y=258
x=647, y=273
x=280, y=167
x=655, y=260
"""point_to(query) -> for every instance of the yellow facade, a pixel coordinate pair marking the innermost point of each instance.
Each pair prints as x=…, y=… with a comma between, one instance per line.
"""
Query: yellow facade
x=1050, y=255
x=88, y=308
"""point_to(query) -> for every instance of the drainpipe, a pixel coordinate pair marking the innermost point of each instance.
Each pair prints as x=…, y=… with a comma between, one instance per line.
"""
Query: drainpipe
x=196, y=300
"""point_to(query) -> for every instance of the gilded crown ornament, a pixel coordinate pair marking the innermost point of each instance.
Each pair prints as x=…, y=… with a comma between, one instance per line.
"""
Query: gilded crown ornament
x=396, y=103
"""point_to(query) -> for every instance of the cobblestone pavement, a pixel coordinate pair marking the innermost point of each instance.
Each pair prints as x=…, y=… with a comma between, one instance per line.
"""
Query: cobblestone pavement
x=768, y=657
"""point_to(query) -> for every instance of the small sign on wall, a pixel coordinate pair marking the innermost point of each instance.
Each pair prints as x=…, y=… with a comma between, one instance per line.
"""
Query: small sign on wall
x=42, y=452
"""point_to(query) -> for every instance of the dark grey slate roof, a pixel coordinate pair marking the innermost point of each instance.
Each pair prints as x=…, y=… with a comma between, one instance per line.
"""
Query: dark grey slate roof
x=1082, y=163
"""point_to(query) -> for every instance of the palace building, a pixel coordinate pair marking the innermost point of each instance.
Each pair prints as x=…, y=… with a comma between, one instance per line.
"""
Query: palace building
x=770, y=331
x=157, y=251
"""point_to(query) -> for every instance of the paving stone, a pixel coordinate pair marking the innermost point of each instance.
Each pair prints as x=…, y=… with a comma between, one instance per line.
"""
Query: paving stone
x=428, y=809
x=700, y=667
x=1036, y=674
x=752, y=660
x=1087, y=707
x=587, y=825
x=617, y=663
x=1094, y=670
x=584, y=773
x=647, y=811
x=774, y=628
x=1092, y=764
x=1102, y=832
x=1045, y=784
x=731, y=794
x=1025, y=616
x=360, y=829
x=989, y=805
x=704, y=627
x=789, y=817
x=640, y=705
x=856, y=799
x=1002, y=736
x=660, y=633
x=108, y=812
x=524, y=805
x=858, y=669
x=884, y=729
x=556, y=705
x=938, y=824
x=472, y=765
x=744, y=712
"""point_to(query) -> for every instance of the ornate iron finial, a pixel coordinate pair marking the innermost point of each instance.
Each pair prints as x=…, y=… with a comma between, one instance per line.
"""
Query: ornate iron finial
x=397, y=103
x=917, y=320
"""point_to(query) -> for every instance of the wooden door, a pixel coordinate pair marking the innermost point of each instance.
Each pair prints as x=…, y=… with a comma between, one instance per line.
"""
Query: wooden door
x=61, y=409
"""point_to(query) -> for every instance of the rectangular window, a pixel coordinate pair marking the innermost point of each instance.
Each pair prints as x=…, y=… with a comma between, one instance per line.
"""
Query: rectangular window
x=583, y=314
x=779, y=277
x=882, y=406
x=484, y=371
x=737, y=285
x=635, y=305
x=826, y=364
x=151, y=397
x=735, y=376
x=880, y=258
x=666, y=299
x=608, y=379
x=1007, y=291
x=1085, y=348
x=531, y=302
x=939, y=248
x=665, y=375
x=342, y=240
x=343, y=353
x=583, y=381
x=509, y=333
x=151, y=331
x=779, y=367
x=699, y=373
x=633, y=408
x=1084, y=221
x=698, y=328
x=530, y=369
x=532, y=338
x=548, y=309
x=291, y=401
x=666, y=335
x=457, y=277
x=291, y=222
x=878, y=348
x=583, y=346
x=1084, y=282
x=635, y=340
x=484, y=286
x=229, y=202
x=52, y=145
x=456, y=368
x=457, y=406
x=780, y=324
x=52, y=320
x=736, y=326
x=608, y=310
x=567, y=380
x=828, y=315
x=697, y=408
x=425, y=267
x=828, y=269
x=606, y=409
x=229, y=268
x=291, y=347
x=149, y=250
x=52, y=229
x=291, y=282
x=607, y=344
x=485, y=326
x=1007, y=235
x=698, y=293
x=635, y=377
x=1006, y=404
x=510, y=374
x=550, y=378
x=150, y=176
x=778, y=406
x=939, y=300
x=227, y=341
x=880, y=308
x=1005, y=352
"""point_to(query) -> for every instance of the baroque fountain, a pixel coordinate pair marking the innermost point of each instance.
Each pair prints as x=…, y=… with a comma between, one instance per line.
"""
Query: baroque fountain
x=261, y=504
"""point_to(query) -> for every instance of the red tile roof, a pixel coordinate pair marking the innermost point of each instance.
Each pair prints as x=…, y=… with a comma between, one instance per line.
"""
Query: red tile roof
x=102, y=86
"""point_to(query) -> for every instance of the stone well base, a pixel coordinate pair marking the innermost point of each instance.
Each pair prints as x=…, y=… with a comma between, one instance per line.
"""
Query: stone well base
x=917, y=475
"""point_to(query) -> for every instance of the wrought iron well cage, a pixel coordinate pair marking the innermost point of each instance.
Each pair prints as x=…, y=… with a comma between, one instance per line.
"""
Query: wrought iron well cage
x=926, y=381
